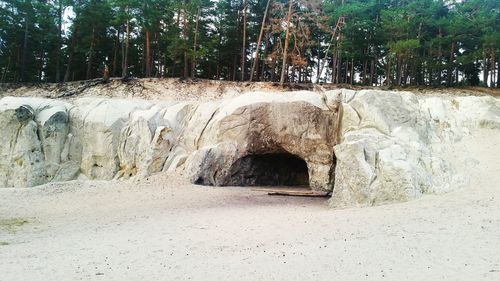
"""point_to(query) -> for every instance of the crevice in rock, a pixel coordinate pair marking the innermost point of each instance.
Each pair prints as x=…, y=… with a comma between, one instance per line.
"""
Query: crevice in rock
x=205, y=127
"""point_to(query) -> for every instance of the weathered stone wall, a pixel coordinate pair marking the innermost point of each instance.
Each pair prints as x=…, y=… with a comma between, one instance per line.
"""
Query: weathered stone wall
x=398, y=146
x=369, y=147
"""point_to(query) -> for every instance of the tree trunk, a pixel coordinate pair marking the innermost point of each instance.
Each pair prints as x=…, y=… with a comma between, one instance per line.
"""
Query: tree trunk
x=18, y=64
x=334, y=66
x=195, y=45
x=25, y=50
x=319, y=59
x=123, y=50
x=115, y=53
x=372, y=71
x=340, y=23
x=148, y=55
x=125, y=56
x=365, y=71
x=185, y=34
x=351, y=79
x=493, y=68
x=440, y=57
x=450, y=64
x=72, y=46
x=285, y=50
x=261, y=33
x=264, y=55
x=161, y=66
x=388, y=79
x=70, y=56
x=219, y=45
x=91, y=52
x=40, y=70
x=6, y=69
x=59, y=43
x=346, y=77
x=498, y=82
x=300, y=74
x=398, y=69
x=339, y=67
x=485, y=68
x=274, y=61
x=234, y=67
x=244, y=44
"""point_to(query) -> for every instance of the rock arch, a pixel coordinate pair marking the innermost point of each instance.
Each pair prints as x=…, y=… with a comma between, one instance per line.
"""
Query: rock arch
x=242, y=140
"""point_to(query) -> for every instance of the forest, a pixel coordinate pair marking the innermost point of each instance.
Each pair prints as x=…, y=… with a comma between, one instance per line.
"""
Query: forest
x=362, y=42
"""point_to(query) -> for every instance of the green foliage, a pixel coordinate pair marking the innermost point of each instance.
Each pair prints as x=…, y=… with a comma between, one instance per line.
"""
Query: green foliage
x=403, y=46
x=411, y=42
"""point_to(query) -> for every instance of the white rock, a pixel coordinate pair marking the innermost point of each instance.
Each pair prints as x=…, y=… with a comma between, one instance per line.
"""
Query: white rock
x=369, y=147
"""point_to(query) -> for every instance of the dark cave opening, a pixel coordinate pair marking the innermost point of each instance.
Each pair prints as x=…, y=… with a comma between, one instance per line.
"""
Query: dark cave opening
x=277, y=169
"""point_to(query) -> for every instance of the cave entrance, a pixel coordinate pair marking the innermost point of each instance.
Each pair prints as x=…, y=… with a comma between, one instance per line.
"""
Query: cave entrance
x=276, y=169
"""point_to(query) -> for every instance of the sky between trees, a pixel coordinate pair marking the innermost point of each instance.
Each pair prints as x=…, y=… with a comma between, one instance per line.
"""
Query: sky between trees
x=366, y=42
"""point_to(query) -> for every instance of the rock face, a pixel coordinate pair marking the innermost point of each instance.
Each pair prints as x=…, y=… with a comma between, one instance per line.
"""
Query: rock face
x=298, y=124
x=367, y=147
x=36, y=145
x=397, y=146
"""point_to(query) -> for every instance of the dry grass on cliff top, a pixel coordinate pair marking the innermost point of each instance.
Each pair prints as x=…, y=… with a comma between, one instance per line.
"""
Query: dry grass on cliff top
x=195, y=90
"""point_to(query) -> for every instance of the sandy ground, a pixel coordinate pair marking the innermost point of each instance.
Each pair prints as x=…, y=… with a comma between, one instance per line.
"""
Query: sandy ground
x=162, y=228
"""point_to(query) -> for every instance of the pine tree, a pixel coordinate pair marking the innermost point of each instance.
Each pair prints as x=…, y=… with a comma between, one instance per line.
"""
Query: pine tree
x=411, y=42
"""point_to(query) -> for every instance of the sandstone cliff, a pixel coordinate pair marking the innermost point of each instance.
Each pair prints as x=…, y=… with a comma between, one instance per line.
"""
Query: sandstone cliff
x=368, y=147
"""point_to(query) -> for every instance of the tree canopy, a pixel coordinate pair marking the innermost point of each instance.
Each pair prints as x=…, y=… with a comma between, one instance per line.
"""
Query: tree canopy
x=366, y=42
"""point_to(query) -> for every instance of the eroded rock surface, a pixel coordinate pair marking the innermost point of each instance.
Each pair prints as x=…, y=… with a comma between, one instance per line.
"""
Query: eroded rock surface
x=398, y=146
x=368, y=147
x=298, y=124
x=35, y=142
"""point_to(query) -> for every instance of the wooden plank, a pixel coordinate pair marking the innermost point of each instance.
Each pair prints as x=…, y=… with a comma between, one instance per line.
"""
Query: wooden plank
x=292, y=192
x=291, y=189
x=301, y=194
